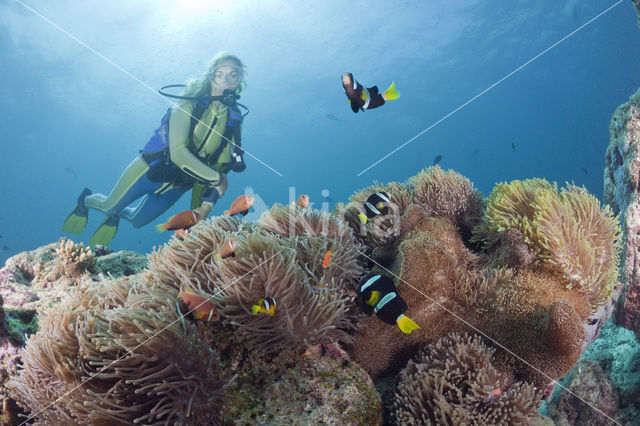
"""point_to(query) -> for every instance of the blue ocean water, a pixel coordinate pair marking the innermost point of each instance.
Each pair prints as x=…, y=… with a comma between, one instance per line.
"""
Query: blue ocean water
x=79, y=80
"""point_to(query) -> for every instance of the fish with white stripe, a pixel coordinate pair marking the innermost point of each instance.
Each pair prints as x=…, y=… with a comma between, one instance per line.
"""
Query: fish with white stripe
x=377, y=294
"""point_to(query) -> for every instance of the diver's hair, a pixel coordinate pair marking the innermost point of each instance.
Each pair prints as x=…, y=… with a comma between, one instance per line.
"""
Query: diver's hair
x=201, y=86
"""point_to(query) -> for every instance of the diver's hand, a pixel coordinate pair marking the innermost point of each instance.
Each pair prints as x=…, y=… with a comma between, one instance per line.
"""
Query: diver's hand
x=238, y=162
x=222, y=185
x=204, y=210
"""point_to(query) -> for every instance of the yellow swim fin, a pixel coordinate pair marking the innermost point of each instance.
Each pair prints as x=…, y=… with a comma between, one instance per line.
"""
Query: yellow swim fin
x=77, y=219
x=363, y=218
x=105, y=232
x=391, y=93
x=406, y=324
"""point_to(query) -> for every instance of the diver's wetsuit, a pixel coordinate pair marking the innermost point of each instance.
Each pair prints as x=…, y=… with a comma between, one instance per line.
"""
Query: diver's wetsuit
x=198, y=157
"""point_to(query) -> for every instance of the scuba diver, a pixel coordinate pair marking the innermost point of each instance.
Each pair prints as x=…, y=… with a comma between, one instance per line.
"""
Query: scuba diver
x=196, y=145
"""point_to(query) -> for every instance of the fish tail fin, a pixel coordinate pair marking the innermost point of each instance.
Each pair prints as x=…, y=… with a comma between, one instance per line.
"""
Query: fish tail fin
x=363, y=218
x=406, y=324
x=161, y=227
x=391, y=93
x=217, y=257
x=255, y=309
x=226, y=213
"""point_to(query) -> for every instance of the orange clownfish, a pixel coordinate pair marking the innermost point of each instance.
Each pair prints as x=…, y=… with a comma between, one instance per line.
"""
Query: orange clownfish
x=327, y=260
x=240, y=205
x=228, y=249
x=197, y=306
x=183, y=220
x=265, y=306
x=303, y=201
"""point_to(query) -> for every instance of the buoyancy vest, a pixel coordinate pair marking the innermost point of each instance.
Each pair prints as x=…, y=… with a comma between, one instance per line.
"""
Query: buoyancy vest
x=156, y=151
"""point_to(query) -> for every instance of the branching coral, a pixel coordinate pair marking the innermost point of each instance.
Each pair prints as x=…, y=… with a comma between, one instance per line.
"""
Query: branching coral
x=567, y=231
x=452, y=382
x=118, y=354
x=72, y=253
x=74, y=260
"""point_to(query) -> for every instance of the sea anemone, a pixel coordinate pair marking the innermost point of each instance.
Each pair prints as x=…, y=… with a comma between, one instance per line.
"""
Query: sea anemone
x=452, y=381
x=118, y=353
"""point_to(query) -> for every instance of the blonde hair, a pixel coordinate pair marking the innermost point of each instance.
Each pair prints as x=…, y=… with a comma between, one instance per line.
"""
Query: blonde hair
x=201, y=86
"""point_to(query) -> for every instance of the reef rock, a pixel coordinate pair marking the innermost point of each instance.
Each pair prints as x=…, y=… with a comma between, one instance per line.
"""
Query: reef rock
x=622, y=183
x=597, y=403
x=322, y=386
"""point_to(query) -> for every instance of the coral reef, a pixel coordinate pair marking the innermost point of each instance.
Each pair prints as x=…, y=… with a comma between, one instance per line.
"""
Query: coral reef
x=614, y=358
x=280, y=257
x=139, y=361
x=523, y=287
x=452, y=381
x=566, y=230
x=622, y=180
x=118, y=353
x=322, y=386
x=597, y=403
x=527, y=274
x=30, y=286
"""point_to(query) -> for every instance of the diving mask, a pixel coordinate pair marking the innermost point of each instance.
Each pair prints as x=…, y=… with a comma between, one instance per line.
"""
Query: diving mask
x=226, y=76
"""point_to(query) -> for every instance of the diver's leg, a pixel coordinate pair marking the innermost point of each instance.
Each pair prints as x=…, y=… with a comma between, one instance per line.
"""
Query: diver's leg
x=133, y=184
x=151, y=206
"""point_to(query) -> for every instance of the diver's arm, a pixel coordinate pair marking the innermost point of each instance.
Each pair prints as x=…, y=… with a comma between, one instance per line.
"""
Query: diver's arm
x=179, y=125
x=211, y=195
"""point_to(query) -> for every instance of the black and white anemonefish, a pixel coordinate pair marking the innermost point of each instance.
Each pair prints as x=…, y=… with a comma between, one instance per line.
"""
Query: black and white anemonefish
x=361, y=98
x=377, y=294
x=376, y=204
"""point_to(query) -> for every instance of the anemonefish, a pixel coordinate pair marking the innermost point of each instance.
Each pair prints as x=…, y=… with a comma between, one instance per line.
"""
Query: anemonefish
x=265, y=306
x=376, y=204
x=327, y=260
x=377, y=294
x=493, y=396
x=303, y=201
x=183, y=220
x=228, y=249
x=240, y=205
x=181, y=233
x=361, y=98
x=196, y=305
